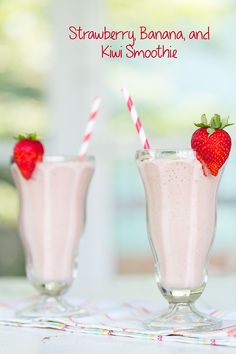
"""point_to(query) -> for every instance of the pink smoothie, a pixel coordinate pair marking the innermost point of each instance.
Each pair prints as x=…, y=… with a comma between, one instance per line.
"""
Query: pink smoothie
x=51, y=218
x=181, y=207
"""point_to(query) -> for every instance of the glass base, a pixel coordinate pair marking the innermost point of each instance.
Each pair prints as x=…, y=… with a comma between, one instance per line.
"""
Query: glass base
x=50, y=307
x=183, y=316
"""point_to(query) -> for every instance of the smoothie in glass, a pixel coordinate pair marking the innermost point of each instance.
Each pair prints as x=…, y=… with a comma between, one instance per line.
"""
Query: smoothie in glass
x=51, y=219
x=181, y=218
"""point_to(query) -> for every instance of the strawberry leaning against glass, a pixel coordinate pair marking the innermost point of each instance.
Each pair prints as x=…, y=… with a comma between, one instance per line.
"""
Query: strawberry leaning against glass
x=27, y=152
x=52, y=196
x=212, y=143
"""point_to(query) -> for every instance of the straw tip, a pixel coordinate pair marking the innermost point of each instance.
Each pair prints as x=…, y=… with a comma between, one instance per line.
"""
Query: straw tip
x=125, y=92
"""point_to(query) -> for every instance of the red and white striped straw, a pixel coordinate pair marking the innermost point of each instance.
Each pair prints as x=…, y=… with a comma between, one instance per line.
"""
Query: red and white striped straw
x=89, y=128
x=136, y=119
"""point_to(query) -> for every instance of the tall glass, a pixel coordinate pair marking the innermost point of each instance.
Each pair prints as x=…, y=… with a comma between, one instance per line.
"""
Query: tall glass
x=51, y=222
x=181, y=218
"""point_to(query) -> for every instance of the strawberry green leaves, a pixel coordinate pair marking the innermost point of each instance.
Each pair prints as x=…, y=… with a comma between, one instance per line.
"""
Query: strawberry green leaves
x=30, y=136
x=215, y=123
x=204, y=119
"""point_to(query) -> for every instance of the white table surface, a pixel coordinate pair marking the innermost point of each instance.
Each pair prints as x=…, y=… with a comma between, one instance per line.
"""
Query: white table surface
x=220, y=293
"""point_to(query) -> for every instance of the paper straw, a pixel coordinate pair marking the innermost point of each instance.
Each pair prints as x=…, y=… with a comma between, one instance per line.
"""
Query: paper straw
x=136, y=119
x=89, y=128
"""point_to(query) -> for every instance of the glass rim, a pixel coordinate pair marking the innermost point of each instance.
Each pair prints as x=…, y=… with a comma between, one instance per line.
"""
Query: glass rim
x=165, y=150
x=179, y=153
x=64, y=158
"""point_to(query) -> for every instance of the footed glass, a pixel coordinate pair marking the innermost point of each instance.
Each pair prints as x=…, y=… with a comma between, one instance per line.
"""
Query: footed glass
x=51, y=221
x=181, y=218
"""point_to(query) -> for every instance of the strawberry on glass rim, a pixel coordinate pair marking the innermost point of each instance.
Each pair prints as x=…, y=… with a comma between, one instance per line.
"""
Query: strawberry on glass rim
x=212, y=143
x=27, y=152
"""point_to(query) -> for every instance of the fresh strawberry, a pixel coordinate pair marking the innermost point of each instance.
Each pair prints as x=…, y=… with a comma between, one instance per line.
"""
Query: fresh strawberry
x=27, y=152
x=211, y=143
